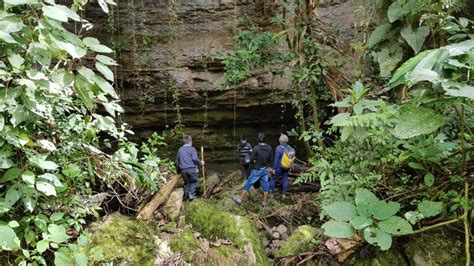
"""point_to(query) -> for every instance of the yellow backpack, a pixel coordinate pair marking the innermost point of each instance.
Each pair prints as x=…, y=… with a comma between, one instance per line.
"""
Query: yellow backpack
x=288, y=157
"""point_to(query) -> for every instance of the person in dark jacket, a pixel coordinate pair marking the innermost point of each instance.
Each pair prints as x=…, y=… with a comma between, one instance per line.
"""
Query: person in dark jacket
x=187, y=163
x=261, y=158
x=277, y=170
x=245, y=151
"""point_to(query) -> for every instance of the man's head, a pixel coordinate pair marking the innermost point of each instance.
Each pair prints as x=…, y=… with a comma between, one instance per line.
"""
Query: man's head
x=283, y=139
x=261, y=137
x=243, y=139
x=187, y=139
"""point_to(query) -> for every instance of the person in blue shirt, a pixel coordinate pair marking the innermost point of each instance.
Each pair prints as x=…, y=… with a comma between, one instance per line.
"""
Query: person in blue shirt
x=187, y=163
x=277, y=170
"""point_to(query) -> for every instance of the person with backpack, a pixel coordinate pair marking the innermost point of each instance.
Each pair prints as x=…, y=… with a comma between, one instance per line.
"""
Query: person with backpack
x=261, y=157
x=187, y=163
x=284, y=157
x=245, y=150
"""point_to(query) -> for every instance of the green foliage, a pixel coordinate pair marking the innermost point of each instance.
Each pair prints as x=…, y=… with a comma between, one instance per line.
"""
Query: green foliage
x=253, y=50
x=376, y=217
x=50, y=145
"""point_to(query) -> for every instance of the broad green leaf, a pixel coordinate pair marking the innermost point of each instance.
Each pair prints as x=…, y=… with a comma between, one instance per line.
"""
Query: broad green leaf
x=11, y=24
x=86, y=72
x=83, y=90
x=338, y=229
x=422, y=74
x=105, y=86
x=388, y=58
x=108, y=74
x=398, y=77
x=460, y=90
x=56, y=216
x=16, y=60
x=29, y=178
x=12, y=196
x=51, y=178
x=81, y=259
x=430, y=208
x=62, y=259
x=378, y=237
x=383, y=210
x=361, y=222
x=105, y=60
x=8, y=238
x=341, y=211
x=6, y=37
x=13, y=224
x=95, y=45
x=429, y=179
x=43, y=164
x=46, y=188
x=60, y=12
x=16, y=2
x=395, y=11
x=10, y=174
x=415, y=38
x=2, y=122
x=23, y=138
x=57, y=233
x=29, y=197
x=73, y=50
x=396, y=226
x=55, y=12
x=415, y=121
x=379, y=34
x=364, y=195
x=416, y=166
x=42, y=246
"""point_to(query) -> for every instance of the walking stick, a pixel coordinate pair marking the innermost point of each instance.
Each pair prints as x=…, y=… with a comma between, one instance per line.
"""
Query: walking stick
x=203, y=172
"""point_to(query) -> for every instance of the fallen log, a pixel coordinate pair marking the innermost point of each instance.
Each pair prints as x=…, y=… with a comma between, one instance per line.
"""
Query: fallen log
x=158, y=198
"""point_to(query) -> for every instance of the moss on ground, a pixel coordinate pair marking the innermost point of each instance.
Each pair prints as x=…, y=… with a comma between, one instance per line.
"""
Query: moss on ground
x=212, y=222
x=186, y=243
x=300, y=241
x=120, y=239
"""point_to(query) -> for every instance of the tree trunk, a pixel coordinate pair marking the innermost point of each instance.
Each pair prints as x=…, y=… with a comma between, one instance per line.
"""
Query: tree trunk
x=158, y=198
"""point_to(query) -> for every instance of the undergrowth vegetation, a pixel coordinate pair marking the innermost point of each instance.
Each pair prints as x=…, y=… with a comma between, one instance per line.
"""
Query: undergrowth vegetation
x=58, y=109
x=397, y=156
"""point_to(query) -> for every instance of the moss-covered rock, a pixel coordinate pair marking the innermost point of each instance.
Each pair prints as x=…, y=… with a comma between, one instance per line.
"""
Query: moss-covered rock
x=122, y=240
x=436, y=247
x=186, y=243
x=300, y=241
x=212, y=222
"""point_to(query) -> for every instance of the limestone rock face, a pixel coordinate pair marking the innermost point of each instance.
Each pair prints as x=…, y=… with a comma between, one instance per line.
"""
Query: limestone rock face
x=173, y=205
x=167, y=54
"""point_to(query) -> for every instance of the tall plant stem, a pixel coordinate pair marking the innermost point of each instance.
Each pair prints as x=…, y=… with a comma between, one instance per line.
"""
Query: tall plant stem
x=466, y=186
x=426, y=228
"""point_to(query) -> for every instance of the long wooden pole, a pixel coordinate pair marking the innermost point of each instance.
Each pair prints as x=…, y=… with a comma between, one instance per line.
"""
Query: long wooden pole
x=203, y=170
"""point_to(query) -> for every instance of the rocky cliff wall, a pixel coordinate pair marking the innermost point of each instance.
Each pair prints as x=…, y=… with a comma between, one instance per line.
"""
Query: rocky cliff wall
x=167, y=53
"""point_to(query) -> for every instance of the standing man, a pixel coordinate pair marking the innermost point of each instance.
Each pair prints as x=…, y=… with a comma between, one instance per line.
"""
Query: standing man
x=261, y=158
x=187, y=163
x=280, y=169
x=245, y=150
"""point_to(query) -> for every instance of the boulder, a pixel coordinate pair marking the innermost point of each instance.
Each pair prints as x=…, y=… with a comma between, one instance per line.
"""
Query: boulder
x=300, y=241
x=121, y=240
x=436, y=247
x=212, y=222
x=173, y=205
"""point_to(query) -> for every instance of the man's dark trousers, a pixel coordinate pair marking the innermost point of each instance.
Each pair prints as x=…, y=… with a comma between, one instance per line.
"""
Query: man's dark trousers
x=190, y=177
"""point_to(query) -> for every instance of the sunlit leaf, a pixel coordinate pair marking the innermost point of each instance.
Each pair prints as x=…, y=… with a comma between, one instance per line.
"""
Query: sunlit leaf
x=341, y=211
x=430, y=208
x=396, y=226
x=338, y=229
x=378, y=237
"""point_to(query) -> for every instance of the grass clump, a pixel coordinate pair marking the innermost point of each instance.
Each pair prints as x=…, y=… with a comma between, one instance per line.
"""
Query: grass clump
x=186, y=243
